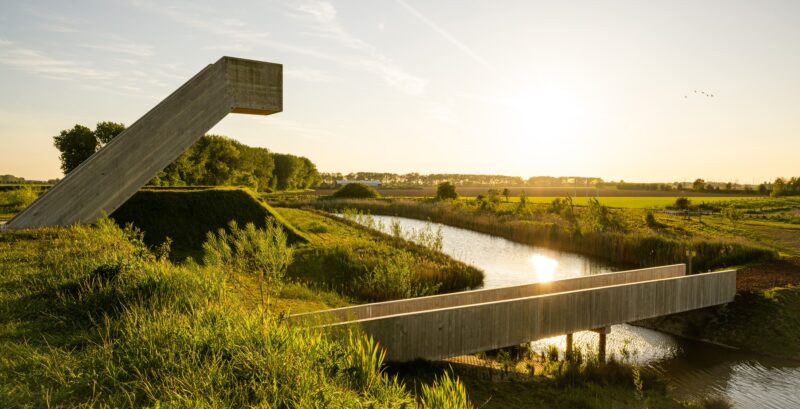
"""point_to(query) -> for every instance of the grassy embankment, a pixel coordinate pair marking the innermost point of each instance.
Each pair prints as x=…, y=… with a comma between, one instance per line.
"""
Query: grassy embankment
x=331, y=255
x=605, y=234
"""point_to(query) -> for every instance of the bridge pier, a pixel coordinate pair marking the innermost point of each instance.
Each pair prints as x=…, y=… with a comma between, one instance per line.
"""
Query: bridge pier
x=601, y=343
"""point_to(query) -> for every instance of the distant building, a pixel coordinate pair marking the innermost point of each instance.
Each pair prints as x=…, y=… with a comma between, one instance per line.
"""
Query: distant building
x=373, y=183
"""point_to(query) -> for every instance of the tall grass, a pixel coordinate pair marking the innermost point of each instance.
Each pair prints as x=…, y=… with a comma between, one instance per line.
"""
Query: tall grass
x=625, y=250
x=90, y=318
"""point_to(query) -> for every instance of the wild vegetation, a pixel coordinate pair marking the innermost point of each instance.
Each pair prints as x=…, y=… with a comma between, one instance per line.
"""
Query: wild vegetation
x=518, y=377
x=593, y=230
x=366, y=265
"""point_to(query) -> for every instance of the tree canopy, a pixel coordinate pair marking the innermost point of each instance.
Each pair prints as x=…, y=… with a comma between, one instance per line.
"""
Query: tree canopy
x=213, y=160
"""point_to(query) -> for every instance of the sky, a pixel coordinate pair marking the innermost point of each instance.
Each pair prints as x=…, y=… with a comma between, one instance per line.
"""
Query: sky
x=594, y=88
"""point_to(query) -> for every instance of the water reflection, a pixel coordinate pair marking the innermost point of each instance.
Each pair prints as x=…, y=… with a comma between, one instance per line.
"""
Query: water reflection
x=692, y=369
x=545, y=267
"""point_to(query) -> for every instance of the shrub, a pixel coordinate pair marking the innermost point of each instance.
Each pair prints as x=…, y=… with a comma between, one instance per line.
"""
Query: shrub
x=394, y=280
x=682, y=203
x=446, y=191
x=249, y=250
x=650, y=220
x=356, y=191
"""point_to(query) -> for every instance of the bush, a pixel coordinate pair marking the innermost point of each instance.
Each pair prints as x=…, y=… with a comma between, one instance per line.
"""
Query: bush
x=446, y=191
x=445, y=393
x=249, y=250
x=356, y=191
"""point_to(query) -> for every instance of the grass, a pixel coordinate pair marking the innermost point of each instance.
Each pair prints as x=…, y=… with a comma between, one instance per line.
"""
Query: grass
x=367, y=265
x=186, y=216
x=611, y=235
x=89, y=318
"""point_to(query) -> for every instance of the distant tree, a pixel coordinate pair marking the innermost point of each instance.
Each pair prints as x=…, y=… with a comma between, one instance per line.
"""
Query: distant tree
x=732, y=214
x=80, y=142
x=762, y=189
x=698, y=185
x=729, y=186
x=506, y=193
x=356, y=191
x=778, y=188
x=446, y=191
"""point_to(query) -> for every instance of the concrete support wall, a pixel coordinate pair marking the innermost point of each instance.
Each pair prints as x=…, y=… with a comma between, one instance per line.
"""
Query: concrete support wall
x=374, y=310
x=113, y=174
x=446, y=332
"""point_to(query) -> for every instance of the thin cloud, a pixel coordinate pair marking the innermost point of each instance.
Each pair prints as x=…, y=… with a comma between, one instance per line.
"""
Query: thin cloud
x=37, y=62
x=320, y=17
x=444, y=33
x=123, y=47
x=308, y=74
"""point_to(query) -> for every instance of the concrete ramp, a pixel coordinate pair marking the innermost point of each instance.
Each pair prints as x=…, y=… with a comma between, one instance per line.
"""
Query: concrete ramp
x=560, y=307
x=113, y=174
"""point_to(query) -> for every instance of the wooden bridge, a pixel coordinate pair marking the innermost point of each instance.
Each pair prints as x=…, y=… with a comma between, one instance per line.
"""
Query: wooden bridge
x=455, y=324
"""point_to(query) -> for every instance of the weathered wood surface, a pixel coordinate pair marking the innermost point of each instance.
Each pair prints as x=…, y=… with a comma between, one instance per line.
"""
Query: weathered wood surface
x=380, y=309
x=445, y=332
x=113, y=174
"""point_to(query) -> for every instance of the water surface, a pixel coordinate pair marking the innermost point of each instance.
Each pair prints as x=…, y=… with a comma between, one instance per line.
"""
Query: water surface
x=692, y=369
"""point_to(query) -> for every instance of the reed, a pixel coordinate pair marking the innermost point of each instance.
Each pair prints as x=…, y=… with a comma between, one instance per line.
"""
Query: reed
x=618, y=248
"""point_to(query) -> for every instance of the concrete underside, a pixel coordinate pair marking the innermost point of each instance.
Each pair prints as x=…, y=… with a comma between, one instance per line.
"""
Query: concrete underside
x=463, y=323
x=113, y=174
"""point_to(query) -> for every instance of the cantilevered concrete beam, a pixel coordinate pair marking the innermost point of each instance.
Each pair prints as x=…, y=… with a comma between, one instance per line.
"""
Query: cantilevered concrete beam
x=113, y=174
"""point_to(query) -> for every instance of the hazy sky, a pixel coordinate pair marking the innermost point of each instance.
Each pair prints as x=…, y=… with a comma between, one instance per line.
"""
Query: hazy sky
x=595, y=88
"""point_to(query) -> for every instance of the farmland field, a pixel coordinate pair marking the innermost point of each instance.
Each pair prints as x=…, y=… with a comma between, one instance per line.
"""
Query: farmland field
x=537, y=191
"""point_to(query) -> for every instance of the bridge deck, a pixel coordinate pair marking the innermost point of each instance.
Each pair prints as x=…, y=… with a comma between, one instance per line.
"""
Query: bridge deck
x=440, y=327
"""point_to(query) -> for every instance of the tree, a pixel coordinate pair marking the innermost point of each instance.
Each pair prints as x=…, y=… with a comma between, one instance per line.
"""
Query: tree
x=76, y=145
x=778, y=187
x=80, y=142
x=106, y=131
x=446, y=191
x=506, y=193
x=698, y=185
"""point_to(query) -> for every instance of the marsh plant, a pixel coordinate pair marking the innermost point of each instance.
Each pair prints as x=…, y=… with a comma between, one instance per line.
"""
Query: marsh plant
x=394, y=280
x=429, y=236
x=250, y=250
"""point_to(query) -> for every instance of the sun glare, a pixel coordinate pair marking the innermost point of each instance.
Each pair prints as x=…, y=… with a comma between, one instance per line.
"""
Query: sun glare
x=544, y=267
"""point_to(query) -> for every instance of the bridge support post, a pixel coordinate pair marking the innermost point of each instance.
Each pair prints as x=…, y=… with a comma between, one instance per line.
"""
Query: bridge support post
x=569, y=350
x=601, y=343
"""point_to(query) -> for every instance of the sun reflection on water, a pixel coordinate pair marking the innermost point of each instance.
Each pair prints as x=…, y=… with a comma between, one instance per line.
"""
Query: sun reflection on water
x=544, y=267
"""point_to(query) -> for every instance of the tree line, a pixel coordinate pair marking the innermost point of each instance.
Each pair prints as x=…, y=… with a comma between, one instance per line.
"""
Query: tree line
x=422, y=180
x=213, y=160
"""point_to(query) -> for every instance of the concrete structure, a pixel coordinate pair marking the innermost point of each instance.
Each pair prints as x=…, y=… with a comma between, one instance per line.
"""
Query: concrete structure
x=113, y=174
x=462, y=323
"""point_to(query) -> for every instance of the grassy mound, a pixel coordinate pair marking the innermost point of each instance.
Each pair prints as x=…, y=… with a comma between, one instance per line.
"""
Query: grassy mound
x=356, y=191
x=186, y=216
